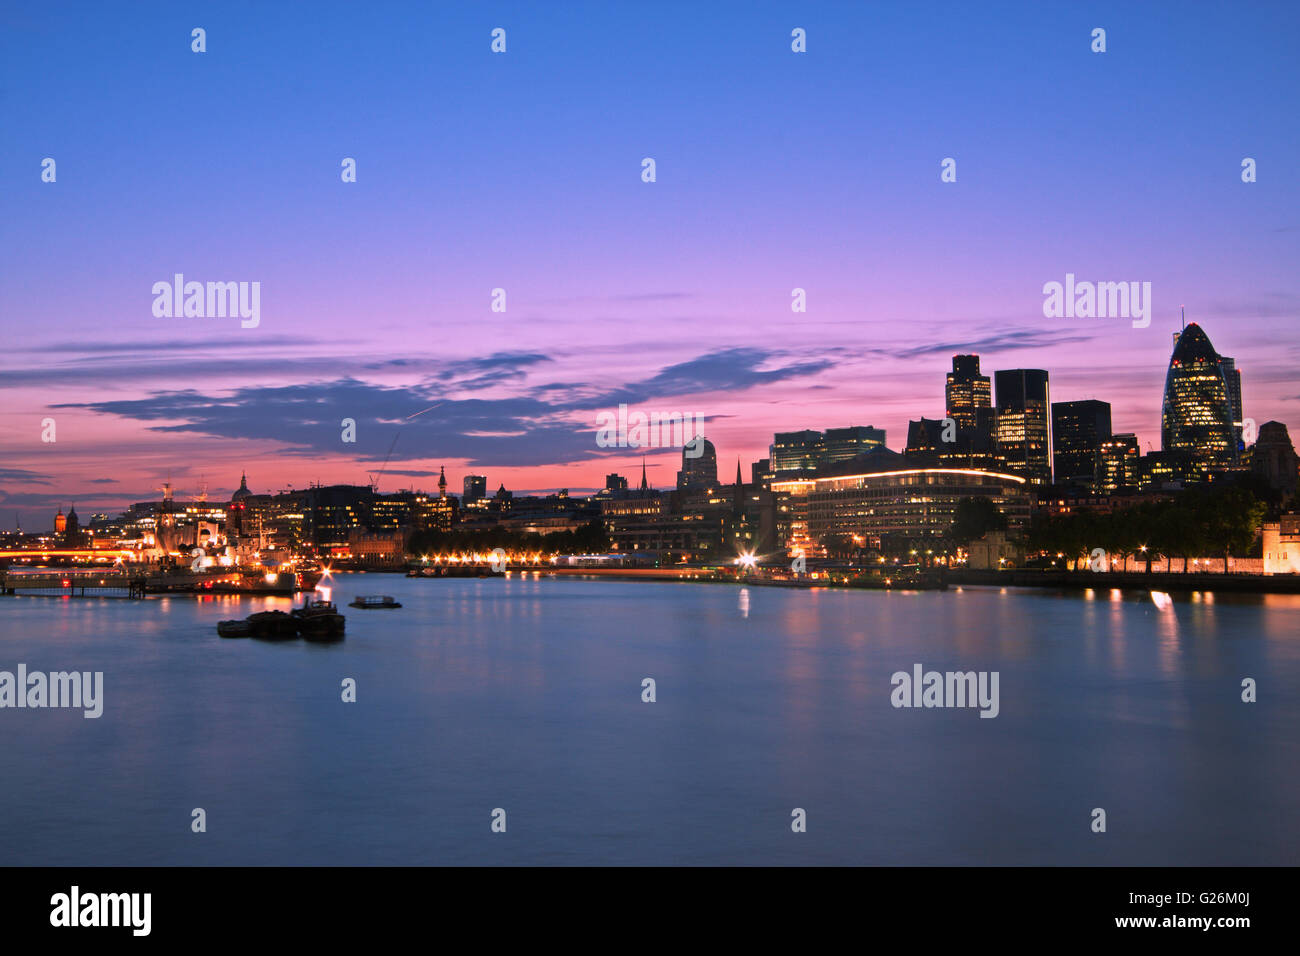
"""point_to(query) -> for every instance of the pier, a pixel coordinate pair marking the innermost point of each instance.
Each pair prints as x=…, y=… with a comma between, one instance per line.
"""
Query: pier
x=137, y=582
x=56, y=582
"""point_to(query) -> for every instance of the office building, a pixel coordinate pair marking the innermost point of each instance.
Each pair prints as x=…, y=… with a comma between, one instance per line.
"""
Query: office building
x=1024, y=423
x=475, y=487
x=966, y=391
x=1118, y=465
x=811, y=450
x=1078, y=430
x=700, y=472
x=1197, y=417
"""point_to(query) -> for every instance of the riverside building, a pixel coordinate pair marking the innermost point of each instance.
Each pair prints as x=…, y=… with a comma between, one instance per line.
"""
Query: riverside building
x=887, y=501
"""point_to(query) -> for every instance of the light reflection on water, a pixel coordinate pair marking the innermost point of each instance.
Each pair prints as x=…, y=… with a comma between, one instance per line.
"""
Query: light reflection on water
x=524, y=693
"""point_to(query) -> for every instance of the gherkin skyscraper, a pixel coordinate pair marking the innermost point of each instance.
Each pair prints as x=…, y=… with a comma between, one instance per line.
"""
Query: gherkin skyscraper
x=1197, y=419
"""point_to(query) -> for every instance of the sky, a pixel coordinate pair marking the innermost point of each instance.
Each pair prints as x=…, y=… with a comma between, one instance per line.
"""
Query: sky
x=522, y=171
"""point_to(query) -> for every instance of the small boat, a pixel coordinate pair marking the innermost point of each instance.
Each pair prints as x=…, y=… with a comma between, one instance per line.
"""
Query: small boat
x=235, y=629
x=369, y=602
x=319, y=621
x=273, y=625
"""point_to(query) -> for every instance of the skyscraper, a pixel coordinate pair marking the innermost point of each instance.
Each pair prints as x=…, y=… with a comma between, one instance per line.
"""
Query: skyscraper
x=810, y=450
x=1197, y=419
x=841, y=444
x=795, y=451
x=1024, y=423
x=475, y=487
x=1118, y=464
x=1232, y=379
x=1078, y=430
x=700, y=472
x=966, y=390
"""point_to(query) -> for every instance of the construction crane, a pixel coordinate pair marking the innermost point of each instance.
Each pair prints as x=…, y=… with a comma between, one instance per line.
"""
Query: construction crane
x=374, y=478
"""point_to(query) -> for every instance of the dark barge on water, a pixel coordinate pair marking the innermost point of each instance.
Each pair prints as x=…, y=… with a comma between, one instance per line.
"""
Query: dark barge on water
x=315, y=620
x=370, y=602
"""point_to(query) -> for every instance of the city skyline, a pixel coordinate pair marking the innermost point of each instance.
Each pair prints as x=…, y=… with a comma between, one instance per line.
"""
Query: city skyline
x=776, y=171
x=434, y=479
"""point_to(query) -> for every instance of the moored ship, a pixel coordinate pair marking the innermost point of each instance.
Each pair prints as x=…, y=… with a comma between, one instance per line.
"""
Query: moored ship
x=319, y=621
x=370, y=602
x=271, y=625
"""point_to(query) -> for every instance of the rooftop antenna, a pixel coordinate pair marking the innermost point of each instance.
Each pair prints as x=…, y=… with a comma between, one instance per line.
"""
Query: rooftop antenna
x=1183, y=310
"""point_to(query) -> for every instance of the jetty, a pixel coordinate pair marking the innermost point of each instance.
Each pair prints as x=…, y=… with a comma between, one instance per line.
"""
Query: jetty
x=137, y=581
x=73, y=582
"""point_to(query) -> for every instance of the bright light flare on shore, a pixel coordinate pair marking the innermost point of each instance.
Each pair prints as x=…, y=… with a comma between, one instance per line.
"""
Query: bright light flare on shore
x=1162, y=600
x=747, y=560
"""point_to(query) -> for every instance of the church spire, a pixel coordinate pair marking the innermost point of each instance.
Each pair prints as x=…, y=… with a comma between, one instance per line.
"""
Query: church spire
x=643, y=481
x=442, y=481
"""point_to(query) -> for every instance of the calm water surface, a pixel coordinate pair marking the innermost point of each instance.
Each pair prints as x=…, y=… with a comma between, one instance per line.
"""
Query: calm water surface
x=525, y=694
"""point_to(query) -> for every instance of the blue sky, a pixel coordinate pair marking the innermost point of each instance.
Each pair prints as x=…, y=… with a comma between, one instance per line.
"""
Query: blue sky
x=521, y=170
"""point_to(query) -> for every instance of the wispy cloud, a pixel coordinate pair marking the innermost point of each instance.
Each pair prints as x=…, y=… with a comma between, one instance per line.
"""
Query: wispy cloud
x=1010, y=340
x=545, y=425
x=20, y=474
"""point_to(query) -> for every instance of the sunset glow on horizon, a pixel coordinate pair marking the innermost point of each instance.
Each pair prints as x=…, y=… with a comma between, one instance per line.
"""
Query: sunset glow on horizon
x=523, y=172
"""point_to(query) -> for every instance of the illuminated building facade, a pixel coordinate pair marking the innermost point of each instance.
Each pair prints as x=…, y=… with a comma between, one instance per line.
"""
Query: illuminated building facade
x=413, y=510
x=1165, y=470
x=1118, y=465
x=966, y=391
x=1197, y=418
x=1232, y=380
x=795, y=451
x=1024, y=424
x=475, y=487
x=842, y=444
x=1281, y=545
x=890, y=503
x=1078, y=431
x=811, y=450
x=374, y=548
x=936, y=443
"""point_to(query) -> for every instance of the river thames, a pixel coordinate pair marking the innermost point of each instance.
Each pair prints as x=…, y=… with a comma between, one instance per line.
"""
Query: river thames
x=525, y=694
